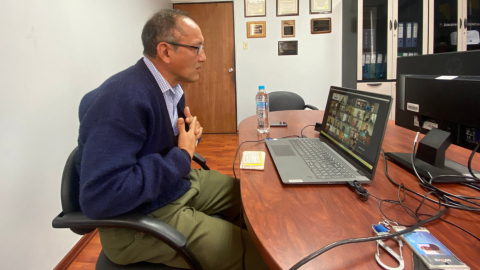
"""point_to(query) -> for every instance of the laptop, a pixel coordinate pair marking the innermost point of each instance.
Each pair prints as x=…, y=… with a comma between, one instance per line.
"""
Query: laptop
x=348, y=146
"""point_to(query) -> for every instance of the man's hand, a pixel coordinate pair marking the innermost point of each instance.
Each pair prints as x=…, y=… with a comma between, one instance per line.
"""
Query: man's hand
x=186, y=140
x=189, y=119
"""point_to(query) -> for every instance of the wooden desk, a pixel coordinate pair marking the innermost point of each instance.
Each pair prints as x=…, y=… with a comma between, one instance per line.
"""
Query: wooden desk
x=289, y=222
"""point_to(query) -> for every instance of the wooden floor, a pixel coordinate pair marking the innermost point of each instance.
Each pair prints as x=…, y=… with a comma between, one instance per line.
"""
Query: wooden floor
x=218, y=149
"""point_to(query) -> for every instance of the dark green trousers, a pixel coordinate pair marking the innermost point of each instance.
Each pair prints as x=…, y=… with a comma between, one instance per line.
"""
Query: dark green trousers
x=215, y=242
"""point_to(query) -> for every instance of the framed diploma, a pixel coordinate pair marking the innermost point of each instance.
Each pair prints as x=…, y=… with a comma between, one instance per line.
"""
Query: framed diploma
x=288, y=28
x=255, y=8
x=288, y=47
x=287, y=7
x=321, y=25
x=256, y=29
x=320, y=6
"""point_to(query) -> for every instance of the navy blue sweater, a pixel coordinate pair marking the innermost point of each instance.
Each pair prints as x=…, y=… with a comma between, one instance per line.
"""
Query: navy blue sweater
x=127, y=155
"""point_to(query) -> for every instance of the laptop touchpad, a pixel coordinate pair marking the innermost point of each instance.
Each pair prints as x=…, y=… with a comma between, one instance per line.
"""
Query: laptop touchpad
x=282, y=150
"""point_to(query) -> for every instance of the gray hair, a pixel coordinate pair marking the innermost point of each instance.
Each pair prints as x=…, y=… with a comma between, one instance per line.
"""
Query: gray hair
x=161, y=28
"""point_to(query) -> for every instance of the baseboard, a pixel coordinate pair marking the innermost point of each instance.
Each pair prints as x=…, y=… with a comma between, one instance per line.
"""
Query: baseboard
x=75, y=251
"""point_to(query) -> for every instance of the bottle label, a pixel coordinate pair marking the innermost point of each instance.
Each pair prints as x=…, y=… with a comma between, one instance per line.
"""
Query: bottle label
x=262, y=105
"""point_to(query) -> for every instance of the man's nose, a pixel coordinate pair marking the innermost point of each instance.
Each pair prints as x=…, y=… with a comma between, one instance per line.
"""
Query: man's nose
x=203, y=56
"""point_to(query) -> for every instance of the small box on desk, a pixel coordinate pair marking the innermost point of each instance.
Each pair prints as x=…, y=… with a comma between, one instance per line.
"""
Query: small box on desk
x=253, y=160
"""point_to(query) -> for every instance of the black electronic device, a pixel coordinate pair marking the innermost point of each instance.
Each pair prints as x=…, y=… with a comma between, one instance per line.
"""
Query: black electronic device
x=439, y=96
x=278, y=124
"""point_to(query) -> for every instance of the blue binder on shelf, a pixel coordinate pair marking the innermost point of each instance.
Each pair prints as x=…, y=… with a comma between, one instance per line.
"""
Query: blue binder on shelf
x=414, y=34
x=373, y=63
x=366, y=66
x=384, y=67
x=408, y=35
x=378, y=67
x=400, y=35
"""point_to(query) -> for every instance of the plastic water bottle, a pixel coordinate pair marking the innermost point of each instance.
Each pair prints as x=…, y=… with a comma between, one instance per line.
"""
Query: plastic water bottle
x=263, y=125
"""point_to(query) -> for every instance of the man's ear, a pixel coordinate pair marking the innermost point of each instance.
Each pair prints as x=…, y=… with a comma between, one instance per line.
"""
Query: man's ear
x=163, y=52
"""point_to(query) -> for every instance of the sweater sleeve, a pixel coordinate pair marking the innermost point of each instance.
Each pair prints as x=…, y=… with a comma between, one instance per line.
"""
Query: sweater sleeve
x=114, y=177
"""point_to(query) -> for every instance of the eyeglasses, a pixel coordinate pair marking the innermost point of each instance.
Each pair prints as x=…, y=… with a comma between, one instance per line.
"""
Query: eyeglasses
x=198, y=48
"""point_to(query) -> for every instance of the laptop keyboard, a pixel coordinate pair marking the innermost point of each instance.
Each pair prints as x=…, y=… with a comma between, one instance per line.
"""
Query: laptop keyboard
x=320, y=161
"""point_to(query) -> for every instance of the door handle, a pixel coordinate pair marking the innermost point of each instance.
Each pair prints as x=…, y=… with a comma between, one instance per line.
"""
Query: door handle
x=374, y=84
x=390, y=24
x=230, y=70
x=460, y=23
x=465, y=23
x=395, y=25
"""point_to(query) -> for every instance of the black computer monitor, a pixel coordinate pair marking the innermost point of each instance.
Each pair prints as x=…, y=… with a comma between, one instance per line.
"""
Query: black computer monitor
x=439, y=96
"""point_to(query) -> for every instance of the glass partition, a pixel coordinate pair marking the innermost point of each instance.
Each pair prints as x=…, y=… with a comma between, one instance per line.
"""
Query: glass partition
x=375, y=35
x=410, y=27
x=445, y=19
x=473, y=24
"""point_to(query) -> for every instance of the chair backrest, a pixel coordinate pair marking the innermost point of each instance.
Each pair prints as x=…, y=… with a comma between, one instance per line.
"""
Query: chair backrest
x=283, y=101
x=70, y=185
x=70, y=190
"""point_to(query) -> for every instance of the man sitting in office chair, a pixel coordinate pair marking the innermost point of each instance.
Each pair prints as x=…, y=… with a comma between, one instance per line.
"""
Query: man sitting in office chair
x=135, y=151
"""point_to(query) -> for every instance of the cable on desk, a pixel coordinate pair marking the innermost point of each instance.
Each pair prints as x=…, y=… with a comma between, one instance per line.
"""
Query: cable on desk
x=365, y=239
x=425, y=185
x=301, y=131
x=262, y=140
x=451, y=199
x=472, y=186
x=414, y=214
x=364, y=195
x=446, y=197
x=241, y=214
x=470, y=162
x=428, y=185
x=455, y=225
x=236, y=153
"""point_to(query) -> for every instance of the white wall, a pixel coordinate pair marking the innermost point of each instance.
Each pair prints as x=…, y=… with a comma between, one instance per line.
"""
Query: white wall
x=309, y=74
x=51, y=53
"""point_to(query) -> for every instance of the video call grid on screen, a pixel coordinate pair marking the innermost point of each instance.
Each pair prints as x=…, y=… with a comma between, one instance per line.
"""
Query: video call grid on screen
x=356, y=122
x=351, y=120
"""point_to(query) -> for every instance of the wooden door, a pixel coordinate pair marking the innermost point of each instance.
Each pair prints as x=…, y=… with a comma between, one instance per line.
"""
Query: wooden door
x=212, y=97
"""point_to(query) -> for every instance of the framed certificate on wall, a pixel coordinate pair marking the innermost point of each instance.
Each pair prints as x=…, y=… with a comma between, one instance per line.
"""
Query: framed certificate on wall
x=255, y=8
x=287, y=7
x=320, y=6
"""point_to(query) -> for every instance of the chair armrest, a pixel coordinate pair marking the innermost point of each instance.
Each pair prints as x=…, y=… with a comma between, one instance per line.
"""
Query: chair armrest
x=142, y=223
x=200, y=160
x=311, y=107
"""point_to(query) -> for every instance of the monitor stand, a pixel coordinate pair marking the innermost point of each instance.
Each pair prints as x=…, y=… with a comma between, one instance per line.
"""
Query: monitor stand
x=430, y=159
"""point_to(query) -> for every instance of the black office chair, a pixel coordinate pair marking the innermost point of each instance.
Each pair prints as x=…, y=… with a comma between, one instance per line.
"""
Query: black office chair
x=283, y=101
x=72, y=217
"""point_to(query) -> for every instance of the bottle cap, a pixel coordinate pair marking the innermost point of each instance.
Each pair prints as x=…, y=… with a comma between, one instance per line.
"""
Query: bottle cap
x=261, y=87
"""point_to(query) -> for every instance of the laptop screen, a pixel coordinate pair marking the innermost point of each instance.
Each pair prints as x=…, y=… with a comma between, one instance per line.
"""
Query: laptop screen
x=355, y=124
